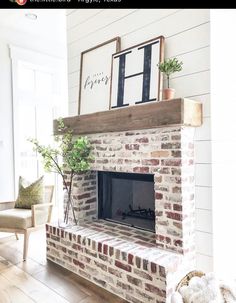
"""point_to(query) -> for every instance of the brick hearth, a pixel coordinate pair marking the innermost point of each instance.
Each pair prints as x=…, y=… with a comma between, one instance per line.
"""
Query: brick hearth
x=121, y=259
x=136, y=265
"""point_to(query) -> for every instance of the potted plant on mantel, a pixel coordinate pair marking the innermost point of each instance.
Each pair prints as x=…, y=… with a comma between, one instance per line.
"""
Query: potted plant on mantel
x=168, y=67
x=70, y=155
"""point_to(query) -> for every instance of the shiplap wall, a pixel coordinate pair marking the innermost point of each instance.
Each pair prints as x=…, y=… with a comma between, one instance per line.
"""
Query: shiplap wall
x=187, y=34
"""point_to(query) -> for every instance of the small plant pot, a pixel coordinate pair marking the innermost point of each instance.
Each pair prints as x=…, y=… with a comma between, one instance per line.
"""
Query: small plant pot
x=168, y=93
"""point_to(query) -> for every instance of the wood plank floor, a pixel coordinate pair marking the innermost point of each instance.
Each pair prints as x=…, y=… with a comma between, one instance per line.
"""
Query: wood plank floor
x=37, y=280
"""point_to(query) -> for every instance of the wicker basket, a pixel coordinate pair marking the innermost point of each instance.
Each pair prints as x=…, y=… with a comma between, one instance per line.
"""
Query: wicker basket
x=188, y=277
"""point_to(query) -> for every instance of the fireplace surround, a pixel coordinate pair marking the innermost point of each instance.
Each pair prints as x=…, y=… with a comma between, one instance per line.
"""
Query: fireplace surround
x=137, y=265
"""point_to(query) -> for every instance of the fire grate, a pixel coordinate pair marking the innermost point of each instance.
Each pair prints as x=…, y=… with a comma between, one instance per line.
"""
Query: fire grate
x=141, y=213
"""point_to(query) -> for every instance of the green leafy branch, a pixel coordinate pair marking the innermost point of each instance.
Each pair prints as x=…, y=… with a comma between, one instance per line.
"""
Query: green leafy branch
x=73, y=155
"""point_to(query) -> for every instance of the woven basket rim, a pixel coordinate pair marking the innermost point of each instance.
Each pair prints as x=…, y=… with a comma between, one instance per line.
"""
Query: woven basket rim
x=185, y=280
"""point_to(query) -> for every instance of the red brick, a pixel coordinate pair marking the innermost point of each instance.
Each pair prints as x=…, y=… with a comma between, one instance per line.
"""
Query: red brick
x=145, y=264
x=176, y=153
x=102, y=148
x=103, y=258
x=176, y=171
x=167, y=205
x=90, y=253
x=158, y=196
x=155, y=290
x=177, y=207
x=96, y=141
x=174, y=145
x=130, y=259
x=174, y=216
x=176, y=190
x=153, y=268
x=171, y=162
x=125, y=286
x=162, y=272
x=178, y=225
x=87, y=195
x=141, y=169
x=178, y=243
x=55, y=238
x=164, y=170
x=102, y=161
x=138, y=262
x=114, y=272
x=92, y=200
x=78, y=263
x=134, y=281
x=163, y=239
x=76, y=247
x=131, y=133
x=123, y=266
x=105, y=249
x=101, y=265
x=132, y=146
x=111, y=251
x=142, y=274
x=158, y=179
x=99, y=247
x=79, y=239
x=175, y=137
x=142, y=140
x=159, y=213
x=150, y=162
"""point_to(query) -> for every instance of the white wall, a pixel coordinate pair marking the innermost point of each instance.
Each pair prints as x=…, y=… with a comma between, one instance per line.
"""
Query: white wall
x=224, y=140
x=46, y=45
x=187, y=38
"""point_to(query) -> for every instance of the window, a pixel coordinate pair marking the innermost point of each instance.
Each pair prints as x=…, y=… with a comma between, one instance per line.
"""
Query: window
x=39, y=97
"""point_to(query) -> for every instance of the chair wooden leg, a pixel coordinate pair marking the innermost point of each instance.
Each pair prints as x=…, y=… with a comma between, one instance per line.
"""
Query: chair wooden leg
x=17, y=238
x=26, y=242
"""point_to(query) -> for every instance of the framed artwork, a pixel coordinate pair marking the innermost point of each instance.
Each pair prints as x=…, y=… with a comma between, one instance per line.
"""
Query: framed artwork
x=135, y=74
x=95, y=77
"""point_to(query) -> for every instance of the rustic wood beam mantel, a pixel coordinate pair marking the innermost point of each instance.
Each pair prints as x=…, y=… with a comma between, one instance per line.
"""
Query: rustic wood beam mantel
x=179, y=111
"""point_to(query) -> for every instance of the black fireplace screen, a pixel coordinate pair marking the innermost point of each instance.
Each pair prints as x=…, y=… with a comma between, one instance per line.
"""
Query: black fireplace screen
x=127, y=198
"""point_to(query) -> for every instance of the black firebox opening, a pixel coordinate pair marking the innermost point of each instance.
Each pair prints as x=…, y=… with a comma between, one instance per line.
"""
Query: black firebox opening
x=127, y=198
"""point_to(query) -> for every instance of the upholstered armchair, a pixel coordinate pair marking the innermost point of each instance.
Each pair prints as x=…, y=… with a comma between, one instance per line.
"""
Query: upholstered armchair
x=24, y=221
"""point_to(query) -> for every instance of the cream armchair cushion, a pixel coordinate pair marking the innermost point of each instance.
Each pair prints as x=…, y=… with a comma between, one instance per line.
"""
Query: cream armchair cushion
x=16, y=218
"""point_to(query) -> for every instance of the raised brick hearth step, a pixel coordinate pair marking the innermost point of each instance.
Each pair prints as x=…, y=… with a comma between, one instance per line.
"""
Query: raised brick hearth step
x=121, y=259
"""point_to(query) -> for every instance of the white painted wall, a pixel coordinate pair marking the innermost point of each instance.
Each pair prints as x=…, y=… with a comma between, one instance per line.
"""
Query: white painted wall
x=187, y=33
x=38, y=41
x=223, y=140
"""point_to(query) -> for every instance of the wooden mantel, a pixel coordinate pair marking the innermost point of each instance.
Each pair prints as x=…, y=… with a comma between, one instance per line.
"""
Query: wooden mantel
x=179, y=111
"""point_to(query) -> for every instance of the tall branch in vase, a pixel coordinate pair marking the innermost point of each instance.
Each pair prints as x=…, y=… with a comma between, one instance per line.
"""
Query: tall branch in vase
x=69, y=155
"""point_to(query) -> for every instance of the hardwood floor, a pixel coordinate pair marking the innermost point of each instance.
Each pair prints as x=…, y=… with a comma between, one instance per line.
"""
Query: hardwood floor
x=38, y=280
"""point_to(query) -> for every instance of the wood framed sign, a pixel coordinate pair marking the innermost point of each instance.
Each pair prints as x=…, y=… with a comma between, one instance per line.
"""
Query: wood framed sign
x=95, y=77
x=135, y=74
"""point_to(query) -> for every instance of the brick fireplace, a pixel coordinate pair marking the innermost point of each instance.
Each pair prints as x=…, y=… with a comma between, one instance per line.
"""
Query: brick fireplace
x=137, y=265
